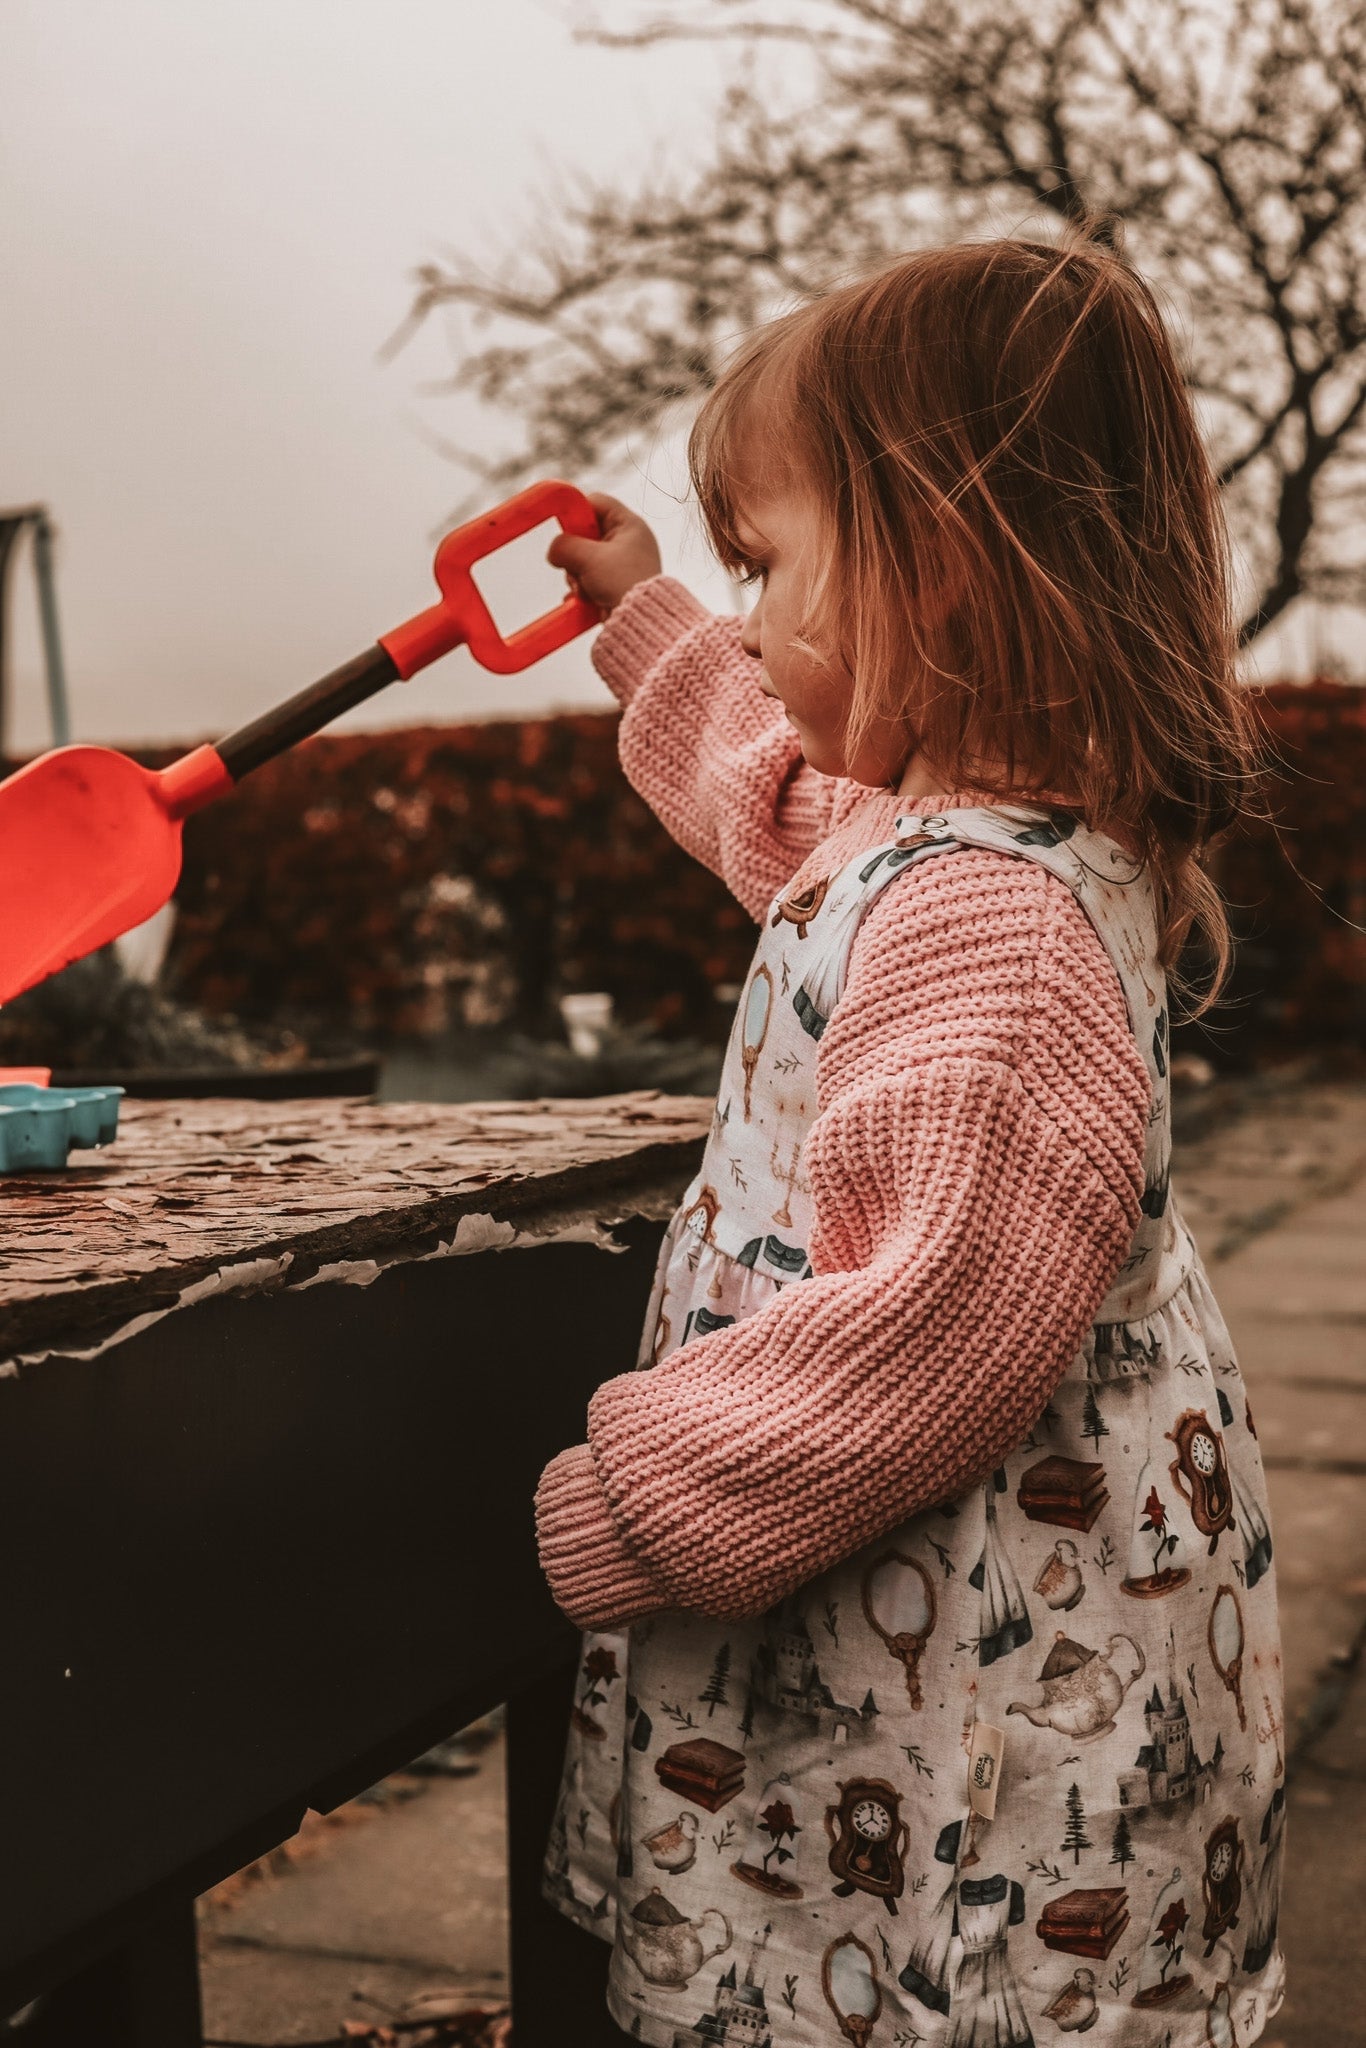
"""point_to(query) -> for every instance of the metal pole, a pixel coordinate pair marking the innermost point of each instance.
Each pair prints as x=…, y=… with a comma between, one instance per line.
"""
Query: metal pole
x=12, y=525
x=52, y=639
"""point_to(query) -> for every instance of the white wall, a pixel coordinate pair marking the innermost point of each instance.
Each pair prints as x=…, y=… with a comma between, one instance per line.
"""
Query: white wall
x=209, y=215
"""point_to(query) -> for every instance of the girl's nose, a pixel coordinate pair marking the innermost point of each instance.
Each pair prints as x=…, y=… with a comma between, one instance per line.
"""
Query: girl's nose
x=749, y=632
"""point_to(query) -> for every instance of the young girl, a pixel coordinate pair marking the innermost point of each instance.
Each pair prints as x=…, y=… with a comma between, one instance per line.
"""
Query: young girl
x=931, y=1685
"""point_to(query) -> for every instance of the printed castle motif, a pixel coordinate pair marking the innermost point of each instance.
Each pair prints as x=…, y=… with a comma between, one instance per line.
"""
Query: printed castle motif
x=787, y=1676
x=739, y=2014
x=1167, y=1768
x=891, y=1918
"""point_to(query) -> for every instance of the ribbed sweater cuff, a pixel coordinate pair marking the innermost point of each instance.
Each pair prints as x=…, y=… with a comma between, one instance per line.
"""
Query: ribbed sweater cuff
x=649, y=620
x=593, y=1577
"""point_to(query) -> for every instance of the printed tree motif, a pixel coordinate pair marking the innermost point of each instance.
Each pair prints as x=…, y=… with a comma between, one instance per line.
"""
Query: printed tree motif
x=1168, y=1935
x=1122, y=1844
x=747, y=1724
x=1075, y=1836
x=714, y=1693
x=776, y=1821
x=1093, y=1423
x=1155, y=1524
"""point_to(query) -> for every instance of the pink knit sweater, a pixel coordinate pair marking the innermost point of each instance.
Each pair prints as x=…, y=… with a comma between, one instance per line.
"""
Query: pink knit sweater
x=976, y=1165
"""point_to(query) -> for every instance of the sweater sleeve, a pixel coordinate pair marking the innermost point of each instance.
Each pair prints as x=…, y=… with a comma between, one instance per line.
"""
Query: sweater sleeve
x=715, y=758
x=976, y=1167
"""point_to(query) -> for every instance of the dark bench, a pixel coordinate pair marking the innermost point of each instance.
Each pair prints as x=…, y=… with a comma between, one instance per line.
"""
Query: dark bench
x=268, y=1531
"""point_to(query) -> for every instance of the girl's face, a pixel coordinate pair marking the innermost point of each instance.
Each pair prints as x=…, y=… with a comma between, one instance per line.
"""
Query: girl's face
x=779, y=534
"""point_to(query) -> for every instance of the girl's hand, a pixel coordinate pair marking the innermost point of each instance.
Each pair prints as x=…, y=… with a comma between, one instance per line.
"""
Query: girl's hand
x=603, y=570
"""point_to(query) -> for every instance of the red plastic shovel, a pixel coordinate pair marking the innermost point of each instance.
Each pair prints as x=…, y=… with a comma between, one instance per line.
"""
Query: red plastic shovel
x=90, y=842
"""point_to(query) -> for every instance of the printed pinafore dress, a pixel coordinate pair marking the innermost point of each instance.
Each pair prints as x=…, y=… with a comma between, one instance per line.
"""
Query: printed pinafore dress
x=1015, y=1770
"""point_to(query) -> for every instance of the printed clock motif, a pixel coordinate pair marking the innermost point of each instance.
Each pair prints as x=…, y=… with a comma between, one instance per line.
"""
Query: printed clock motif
x=798, y=1780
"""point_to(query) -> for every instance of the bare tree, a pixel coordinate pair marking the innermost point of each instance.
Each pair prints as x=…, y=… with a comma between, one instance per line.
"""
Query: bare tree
x=1229, y=136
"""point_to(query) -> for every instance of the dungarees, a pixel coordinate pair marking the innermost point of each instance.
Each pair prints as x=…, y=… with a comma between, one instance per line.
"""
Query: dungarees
x=1015, y=1770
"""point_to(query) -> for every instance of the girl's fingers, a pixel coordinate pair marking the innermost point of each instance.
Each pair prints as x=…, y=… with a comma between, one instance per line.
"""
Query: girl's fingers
x=610, y=510
x=570, y=552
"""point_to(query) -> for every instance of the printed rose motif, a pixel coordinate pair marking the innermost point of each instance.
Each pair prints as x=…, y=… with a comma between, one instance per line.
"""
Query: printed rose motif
x=777, y=1820
x=599, y=1664
x=1155, y=1524
x=1167, y=1935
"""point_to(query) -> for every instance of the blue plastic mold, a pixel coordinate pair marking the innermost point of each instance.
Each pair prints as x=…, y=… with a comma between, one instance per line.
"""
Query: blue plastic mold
x=39, y=1126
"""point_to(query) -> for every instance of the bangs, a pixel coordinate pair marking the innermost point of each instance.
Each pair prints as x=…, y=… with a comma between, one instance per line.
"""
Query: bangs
x=735, y=458
x=1017, y=553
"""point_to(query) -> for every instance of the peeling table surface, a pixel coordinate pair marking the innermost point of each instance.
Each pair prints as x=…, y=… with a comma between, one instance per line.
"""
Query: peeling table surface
x=192, y=1187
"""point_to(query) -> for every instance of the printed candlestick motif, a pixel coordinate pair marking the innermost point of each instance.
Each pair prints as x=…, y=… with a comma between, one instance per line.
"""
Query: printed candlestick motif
x=789, y=1177
x=1273, y=1727
x=1126, y=1751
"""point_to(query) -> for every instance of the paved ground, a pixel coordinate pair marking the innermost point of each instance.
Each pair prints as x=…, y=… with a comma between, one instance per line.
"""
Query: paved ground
x=401, y=1902
x=388, y=1909
x=1284, y=1194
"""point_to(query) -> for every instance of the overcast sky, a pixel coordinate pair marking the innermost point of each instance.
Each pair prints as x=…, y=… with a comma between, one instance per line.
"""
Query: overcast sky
x=209, y=214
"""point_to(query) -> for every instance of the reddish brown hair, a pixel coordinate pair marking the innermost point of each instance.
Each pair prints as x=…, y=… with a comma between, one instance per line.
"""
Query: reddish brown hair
x=1021, y=552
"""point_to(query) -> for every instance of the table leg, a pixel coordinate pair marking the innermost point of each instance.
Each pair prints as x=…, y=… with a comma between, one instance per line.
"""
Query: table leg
x=558, y=1973
x=143, y=1995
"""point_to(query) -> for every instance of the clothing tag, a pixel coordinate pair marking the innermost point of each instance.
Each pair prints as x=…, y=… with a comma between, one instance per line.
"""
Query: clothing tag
x=984, y=1768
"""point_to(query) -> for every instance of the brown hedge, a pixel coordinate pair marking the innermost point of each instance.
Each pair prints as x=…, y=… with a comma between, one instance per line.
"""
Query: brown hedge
x=467, y=875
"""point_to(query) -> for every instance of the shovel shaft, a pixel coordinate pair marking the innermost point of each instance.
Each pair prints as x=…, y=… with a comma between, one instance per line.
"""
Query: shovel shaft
x=282, y=727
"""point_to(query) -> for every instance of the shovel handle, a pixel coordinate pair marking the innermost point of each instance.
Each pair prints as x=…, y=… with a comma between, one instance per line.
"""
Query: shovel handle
x=461, y=618
x=284, y=725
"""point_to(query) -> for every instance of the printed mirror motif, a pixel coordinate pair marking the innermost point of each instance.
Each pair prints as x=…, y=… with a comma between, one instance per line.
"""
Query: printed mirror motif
x=1226, y=1644
x=898, y=1604
x=798, y=1779
x=758, y=1010
x=852, y=1992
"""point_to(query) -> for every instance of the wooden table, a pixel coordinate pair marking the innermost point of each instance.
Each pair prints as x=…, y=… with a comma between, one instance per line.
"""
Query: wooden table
x=272, y=1409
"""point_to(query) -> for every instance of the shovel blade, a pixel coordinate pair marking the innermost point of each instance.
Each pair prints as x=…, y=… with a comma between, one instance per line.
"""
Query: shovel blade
x=88, y=849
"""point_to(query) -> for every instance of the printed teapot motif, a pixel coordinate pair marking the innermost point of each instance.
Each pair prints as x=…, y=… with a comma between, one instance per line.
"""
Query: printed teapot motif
x=665, y=1946
x=1082, y=1691
x=797, y=1788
